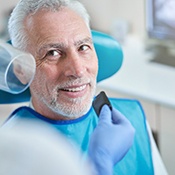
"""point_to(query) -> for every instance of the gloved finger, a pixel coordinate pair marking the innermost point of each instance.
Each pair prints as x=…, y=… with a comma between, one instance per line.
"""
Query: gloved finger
x=118, y=117
x=105, y=114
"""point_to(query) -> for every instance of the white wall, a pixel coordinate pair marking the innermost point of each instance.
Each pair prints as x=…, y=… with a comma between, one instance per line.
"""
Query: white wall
x=103, y=13
x=4, y=8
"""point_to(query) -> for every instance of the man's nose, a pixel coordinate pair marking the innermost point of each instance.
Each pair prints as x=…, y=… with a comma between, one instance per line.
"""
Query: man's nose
x=75, y=66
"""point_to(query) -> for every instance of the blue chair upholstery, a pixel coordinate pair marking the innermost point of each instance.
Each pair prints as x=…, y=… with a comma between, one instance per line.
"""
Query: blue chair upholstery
x=110, y=57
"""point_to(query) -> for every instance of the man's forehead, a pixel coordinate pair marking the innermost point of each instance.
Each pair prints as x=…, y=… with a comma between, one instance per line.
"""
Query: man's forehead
x=48, y=14
x=60, y=23
x=62, y=45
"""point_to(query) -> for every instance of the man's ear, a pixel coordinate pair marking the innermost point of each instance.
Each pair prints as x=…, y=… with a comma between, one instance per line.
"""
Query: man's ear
x=20, y=74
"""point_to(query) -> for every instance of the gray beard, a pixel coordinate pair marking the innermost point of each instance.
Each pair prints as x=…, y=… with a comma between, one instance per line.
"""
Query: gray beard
x=76, y=110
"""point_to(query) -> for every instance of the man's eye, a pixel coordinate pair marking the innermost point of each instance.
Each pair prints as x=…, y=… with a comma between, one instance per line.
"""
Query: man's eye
x=83, y=48
x=53, y=55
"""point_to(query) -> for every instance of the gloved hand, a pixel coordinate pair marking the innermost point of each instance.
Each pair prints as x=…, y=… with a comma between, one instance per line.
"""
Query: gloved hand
x=110, y=141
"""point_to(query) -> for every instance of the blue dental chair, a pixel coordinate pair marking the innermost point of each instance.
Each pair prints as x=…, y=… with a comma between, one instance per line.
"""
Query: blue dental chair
x=110, y=57
x=110, y=61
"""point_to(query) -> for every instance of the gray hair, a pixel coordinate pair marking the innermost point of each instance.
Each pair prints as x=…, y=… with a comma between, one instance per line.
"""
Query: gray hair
x=16, y=27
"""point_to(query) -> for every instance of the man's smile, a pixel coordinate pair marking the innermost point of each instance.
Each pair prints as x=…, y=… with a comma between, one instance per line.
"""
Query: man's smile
x=74, y=89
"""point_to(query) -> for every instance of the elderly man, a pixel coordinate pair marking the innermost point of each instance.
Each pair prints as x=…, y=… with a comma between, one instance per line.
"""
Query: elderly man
x=58, y=35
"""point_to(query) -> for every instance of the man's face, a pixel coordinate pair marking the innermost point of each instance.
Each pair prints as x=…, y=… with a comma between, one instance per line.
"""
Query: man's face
x=65, y=79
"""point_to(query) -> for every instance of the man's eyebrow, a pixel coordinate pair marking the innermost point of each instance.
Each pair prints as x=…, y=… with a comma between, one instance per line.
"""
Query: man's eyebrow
x=51, y=45
x=85, y=40
x=63, y=46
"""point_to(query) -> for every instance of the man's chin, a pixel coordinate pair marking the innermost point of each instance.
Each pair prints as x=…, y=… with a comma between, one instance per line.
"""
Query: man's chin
x=72, y=112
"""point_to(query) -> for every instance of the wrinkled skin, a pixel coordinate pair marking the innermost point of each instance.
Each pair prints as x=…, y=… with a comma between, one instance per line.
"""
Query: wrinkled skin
x=65, y=80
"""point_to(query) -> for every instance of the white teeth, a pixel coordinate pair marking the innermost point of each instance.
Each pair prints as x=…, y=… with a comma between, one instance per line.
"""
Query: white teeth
x=75, y=89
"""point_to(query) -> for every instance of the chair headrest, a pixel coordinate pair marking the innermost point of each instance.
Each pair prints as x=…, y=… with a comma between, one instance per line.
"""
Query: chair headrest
x=110, y=58
x=109, y=53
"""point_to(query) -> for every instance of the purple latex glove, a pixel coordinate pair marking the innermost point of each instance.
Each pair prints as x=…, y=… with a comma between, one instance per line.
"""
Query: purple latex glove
x=110, y=141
